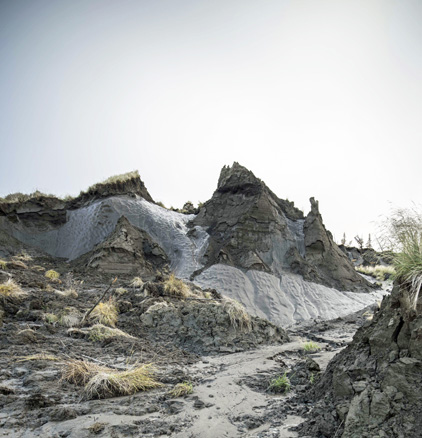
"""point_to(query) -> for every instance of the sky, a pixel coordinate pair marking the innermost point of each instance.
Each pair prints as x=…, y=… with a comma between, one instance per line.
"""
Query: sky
x=317, y=98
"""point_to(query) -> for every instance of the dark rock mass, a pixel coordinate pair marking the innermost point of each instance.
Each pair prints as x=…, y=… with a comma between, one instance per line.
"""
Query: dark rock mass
x=251, y=228
x=373, y=387
x=127, y=250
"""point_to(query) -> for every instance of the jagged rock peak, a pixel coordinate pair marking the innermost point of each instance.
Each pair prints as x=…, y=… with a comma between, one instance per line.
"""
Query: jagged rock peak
x=236, y=178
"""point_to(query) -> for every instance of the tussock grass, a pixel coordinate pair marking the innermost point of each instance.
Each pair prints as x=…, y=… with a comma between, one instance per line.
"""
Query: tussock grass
x=239, y=317
x=111, y=384
x=121, y=291
x=103, y=382
x=3, y=264
x=50, y=318
x=105, y=313
x=69, y=317
x=51, y=274
x=11, y=290
x=99, y=332
x=280, y=384
x=137, y=282
x=39, y=356
x=22, y=257
x=17, y=264
x=181, y=390
x=115, y=179
x=175, y=286
x=311, y=347
x=403, y=234
x=380, y=272
x=67, y=293
x=38, y=268
x=80, y=372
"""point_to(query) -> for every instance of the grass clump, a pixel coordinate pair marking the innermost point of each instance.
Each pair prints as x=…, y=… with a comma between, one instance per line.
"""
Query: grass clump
x=137, y=282
x=120, y=291
x=51, y=274
x=17, y=264
x=380, y=272
x=100, y=332
x=69, y=317
x=103, y=382
x=181, y=390
x=105, y=313
x=239, y=317
x=39, y=356
x=11, y=290
x=175, y=286
x=311, y=347
x=111, y=384
x=116, y=179
x=280, y=385
x=403, y=234
x=67, y=293
x=50, y=318
x=3, y=264
x=22, y=257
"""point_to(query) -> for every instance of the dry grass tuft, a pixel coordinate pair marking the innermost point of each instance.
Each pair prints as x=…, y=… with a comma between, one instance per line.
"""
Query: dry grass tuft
x=17, y=264
x=38, y=268
x=67, y=293
x=80, y=372
x=239, y=317
x=112, y=180
x=50, y=318
x=121, y=291
x=23, y=257
x=70, y=317
x=11, y=290
x=137, y=282
x=175, y=286
x=380, y=272
x=3, y=264
x=39, y=356
x=51, y=274
x=105, y=313
x=181, y=390
x=114, y=383
x=99, y=332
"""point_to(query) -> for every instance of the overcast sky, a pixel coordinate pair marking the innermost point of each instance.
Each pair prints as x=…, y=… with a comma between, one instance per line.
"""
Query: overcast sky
x=317, y=98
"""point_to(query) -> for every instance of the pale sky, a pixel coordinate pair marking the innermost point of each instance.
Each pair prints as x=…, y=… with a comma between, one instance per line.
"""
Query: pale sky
x=317, y=98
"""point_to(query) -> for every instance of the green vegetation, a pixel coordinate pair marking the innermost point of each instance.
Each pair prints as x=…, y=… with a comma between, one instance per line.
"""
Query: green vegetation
x=3, y=264
x=403, y=234
x=311, y=347
x=121, y=290
x=50, y=318
x=51, y=274
x=280, y=385
x=380, y=272
x=105, y=313
x=175, y=286
x=22, y=197
x=239, y=317
x=181, y=390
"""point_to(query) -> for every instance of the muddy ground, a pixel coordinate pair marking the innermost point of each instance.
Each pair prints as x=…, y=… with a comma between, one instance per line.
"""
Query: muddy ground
x=230, y=398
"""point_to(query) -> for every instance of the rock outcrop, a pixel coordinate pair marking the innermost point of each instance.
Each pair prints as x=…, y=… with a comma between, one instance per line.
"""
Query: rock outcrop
x=373, y=387
x=127, y=250
x=251, y=228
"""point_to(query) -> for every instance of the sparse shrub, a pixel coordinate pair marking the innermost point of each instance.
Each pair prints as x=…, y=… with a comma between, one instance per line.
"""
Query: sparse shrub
x=99, y=332
x=3, y=264
x=137, y=282
x=69, y=317
x=181, y=390
x=175, y=286
x=105, y=313
x=239, y=317
x=51, y=274
x=380, y=272
x=50, y=318
x=11, y=290
x=311, y=347
x=279, y=385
